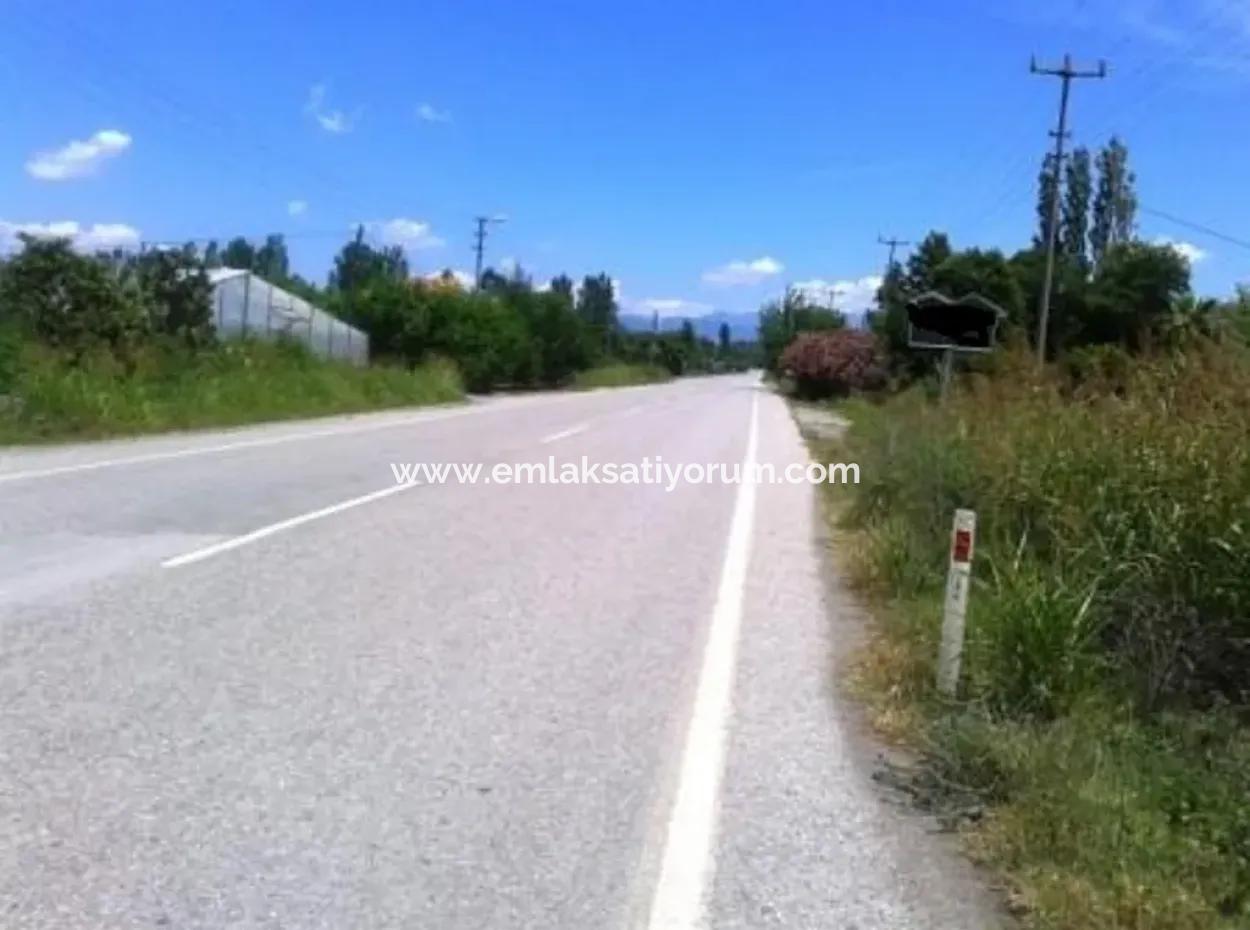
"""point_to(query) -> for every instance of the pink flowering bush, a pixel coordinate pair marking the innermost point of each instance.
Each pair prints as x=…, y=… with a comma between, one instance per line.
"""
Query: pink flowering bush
x=834, y=362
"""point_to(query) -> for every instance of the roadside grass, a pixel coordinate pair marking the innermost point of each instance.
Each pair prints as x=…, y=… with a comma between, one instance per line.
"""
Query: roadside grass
x=160, y=387
x=619, y=374
x=1101, y=731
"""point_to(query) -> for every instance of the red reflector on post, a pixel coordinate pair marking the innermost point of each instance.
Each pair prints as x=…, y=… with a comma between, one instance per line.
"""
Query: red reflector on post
x=962, y=551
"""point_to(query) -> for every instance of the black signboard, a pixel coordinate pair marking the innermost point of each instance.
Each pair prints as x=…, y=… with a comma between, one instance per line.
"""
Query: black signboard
x=966, y=324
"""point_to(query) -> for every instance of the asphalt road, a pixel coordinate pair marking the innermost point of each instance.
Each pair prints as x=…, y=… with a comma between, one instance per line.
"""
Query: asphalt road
x=245, y=681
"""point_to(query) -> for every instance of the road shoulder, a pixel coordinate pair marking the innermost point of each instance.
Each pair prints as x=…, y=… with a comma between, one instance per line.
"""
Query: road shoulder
x=806, y=837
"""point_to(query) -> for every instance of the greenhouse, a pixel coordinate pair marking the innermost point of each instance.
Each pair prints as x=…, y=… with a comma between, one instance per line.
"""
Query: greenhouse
x=247, y=305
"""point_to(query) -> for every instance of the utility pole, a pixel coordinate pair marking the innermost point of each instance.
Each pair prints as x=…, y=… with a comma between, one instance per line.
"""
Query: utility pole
x=1065, y=73
x=480, y=245
x=893, y=243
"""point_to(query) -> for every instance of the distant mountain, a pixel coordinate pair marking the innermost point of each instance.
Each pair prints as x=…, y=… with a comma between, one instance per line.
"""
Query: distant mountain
x=743, y=327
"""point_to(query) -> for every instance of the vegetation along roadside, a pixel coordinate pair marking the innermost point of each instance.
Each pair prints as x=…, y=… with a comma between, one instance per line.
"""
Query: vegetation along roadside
x=94, y=345
x=1097, y=753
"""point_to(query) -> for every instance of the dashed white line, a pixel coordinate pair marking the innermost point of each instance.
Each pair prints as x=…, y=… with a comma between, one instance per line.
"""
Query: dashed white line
x=565, y=433
x=236, y=541
x=687, y=864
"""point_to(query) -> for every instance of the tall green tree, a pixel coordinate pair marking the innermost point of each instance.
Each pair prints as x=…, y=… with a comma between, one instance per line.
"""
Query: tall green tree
x=271, y=261
x=1237, y=312
x=596, y=305
x=358, y=263
x=1046, y=193
x=562, y=285
x=781, y=321
x=560, y=336
x=1133, y=293
x=723, y=338
x=1115, y=202
x=984, y=272
x=596, y=301
x=239, y=253
x=1078, y=189
x=1067, y=299
x=687, y=333
x=934, y=249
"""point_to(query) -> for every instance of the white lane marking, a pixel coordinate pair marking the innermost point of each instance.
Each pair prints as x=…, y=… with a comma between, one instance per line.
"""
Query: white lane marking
x=172, y=454
x=687, y=864
x=233, y=446
x=565, y=433
x=235, y=542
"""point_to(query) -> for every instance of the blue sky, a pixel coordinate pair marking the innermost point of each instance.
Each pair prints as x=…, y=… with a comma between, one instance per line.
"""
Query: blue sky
x=703, y=154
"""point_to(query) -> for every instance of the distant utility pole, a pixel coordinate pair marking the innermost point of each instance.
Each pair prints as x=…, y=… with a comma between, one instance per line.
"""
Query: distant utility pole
x=893, y=244
x=1065, y=73
x=480, y=245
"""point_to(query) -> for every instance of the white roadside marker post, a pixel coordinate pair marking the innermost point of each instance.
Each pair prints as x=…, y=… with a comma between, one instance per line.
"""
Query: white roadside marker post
x=958, y=577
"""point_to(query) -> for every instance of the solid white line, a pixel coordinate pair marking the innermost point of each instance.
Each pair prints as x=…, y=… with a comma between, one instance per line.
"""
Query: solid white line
x=687, y=864
x=565, y=434
x=236, y=541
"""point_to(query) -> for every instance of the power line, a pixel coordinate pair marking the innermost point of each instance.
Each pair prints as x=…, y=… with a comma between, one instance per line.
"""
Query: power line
x=1066, y=73
x=1154, y=76
x=1197, y=227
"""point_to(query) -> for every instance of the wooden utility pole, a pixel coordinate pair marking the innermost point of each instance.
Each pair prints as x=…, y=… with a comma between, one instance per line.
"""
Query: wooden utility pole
x=480, y=245
x=1065, y=73
x=893, y=244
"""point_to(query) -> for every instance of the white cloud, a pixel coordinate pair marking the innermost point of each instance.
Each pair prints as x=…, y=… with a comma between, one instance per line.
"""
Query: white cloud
x=672, y=307
x=507, y=265
x=738, y=273
x=411, y=234
x=463, y=278
x=848, y=295
x=297, y=207
x=1191, y=252
x=79, y=158
x=428, y=113
x=334, y=121
x=96, y=237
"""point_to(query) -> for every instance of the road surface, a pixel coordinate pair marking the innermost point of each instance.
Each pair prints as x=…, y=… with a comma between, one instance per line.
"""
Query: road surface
x=247, y=681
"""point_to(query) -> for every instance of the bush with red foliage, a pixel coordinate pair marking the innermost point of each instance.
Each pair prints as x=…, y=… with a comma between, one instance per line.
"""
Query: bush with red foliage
x=834, y=362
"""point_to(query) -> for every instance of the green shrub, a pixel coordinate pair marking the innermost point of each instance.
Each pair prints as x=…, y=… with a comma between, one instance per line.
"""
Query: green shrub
x=11, y=345
x=1033, y=643
x=619, y=375
x=179, y=296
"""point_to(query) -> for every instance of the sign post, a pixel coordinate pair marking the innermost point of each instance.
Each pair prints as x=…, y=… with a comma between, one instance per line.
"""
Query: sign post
x=958, y=579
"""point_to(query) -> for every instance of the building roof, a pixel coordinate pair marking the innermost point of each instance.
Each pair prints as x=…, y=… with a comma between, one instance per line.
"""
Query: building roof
x=217, y=275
